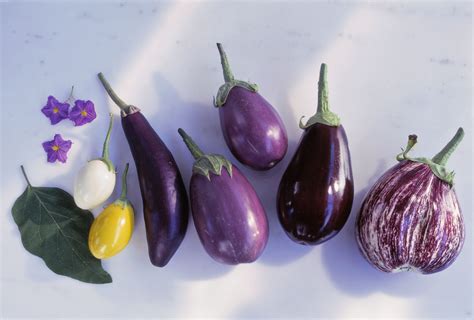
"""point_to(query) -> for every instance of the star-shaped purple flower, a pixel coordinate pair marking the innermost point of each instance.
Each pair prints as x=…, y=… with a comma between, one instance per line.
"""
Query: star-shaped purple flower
x=83, y=112
x=55, y=110
x=57, y=148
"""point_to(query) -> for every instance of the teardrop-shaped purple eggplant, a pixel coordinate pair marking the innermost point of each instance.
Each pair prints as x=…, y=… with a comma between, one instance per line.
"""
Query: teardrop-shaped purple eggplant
x=228, y=215
x=316, y=191
x=252, y=128
x=165, y=203
x=410, y=219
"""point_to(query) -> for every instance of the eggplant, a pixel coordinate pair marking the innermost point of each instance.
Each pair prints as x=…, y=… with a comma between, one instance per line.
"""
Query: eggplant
x=411, y=220
x=316, y=191
x=252, y=128
x=228, y=215
x=165, y=203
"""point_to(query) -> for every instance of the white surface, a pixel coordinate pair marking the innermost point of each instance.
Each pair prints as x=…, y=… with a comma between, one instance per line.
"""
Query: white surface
x=394, y=69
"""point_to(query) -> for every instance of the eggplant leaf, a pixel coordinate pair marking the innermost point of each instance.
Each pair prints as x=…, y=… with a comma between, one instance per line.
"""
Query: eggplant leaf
x=53, y=228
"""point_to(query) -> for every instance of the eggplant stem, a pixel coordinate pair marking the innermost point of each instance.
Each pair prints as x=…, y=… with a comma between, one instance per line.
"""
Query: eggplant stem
x=24, y=174
x=105, y=149
x=123, y=194
x=323, y=95
x=412, y=140
x=442, y=157
x=228, y=76
x=119, y=102
x=192, y=146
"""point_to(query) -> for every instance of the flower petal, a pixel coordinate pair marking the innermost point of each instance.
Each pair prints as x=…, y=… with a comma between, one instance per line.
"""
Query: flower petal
x=61, y=153
x=76, y=114
x=49, y=110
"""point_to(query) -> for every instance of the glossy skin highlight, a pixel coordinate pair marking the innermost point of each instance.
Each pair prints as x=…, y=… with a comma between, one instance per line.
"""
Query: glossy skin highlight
x=316, y=191
x=253, y=130
x=229, y=217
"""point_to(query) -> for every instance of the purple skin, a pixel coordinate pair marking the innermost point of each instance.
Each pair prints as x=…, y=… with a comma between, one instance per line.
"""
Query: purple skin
x=410, y=220
x=229, y=218
x=165, y=202
x=228, y=215
x=253, y=129
x=316, y=191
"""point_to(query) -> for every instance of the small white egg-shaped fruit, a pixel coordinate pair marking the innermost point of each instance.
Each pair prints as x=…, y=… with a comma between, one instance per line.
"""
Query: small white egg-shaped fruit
x=93, y=185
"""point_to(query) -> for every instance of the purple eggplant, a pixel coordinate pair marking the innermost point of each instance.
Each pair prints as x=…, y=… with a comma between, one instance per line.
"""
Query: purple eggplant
x=165, y=203
x=316, y=191
x=229, y=217
x=252, y=128
x=410, y=219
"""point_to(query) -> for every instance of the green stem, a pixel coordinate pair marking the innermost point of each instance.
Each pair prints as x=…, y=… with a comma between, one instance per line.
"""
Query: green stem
x=442, y=157
x=26, y=177
x=123, y=194
x=323, y=97
x=105, y=149
x=412, y=140
x=192, y=146
x=228, y=76
x=119, y=102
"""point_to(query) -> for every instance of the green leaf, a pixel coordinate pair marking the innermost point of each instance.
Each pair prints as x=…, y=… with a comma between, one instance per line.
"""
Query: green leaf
x=53, y=228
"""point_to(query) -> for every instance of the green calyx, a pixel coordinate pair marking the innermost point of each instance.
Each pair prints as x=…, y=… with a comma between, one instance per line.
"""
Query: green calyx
x=230, y=82
x=323, y=114
x=105, y=149
x=438, y=163
x=126, y=109
x=205, y=163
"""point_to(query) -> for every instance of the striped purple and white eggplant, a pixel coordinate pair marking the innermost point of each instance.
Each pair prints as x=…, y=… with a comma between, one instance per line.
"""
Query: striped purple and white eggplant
x=410, y=219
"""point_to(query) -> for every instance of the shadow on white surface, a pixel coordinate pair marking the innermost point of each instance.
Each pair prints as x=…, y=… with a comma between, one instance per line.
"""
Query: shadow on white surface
x=349, y=270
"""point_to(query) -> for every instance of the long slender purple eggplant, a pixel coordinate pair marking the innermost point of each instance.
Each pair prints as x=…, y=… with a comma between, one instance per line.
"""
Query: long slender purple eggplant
x=410, y=219
x=252, y=128
x=316, y=191
x=229, y=217
x=165, y=202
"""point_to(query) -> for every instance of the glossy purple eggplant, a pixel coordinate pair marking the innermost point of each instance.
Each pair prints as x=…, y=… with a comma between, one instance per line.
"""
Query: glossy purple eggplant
x=165, y=203
x=316, y=191
x=411, y=220
x=228, y=215
x=252, y=128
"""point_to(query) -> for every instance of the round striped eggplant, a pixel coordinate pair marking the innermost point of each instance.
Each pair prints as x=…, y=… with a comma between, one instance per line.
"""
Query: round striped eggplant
x=229, y=218
x=165, y=202
x=316, y=191
x=252, y=128
x=410, y=219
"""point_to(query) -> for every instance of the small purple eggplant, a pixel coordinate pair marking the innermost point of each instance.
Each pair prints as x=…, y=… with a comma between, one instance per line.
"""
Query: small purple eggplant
x=165, y=203
x=252, y=128
x=410, y=219
x=316, y=191
x=229, y=217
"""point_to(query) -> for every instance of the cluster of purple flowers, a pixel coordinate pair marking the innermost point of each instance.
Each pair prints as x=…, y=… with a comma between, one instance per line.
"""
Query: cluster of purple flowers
x=81, y=113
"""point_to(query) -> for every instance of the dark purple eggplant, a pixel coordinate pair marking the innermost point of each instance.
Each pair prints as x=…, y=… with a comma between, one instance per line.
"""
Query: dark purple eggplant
x=316, y=191
x=165, y=203
x=229, y=217
x=252, y=128
x=410, y=220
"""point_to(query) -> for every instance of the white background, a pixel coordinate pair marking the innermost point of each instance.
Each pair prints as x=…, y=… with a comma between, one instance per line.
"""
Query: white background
x=394, y=69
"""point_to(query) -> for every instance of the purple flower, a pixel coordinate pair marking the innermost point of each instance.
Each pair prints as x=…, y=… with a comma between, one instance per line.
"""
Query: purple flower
x=57, y=148
x=55, y=110
x=83, y=112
